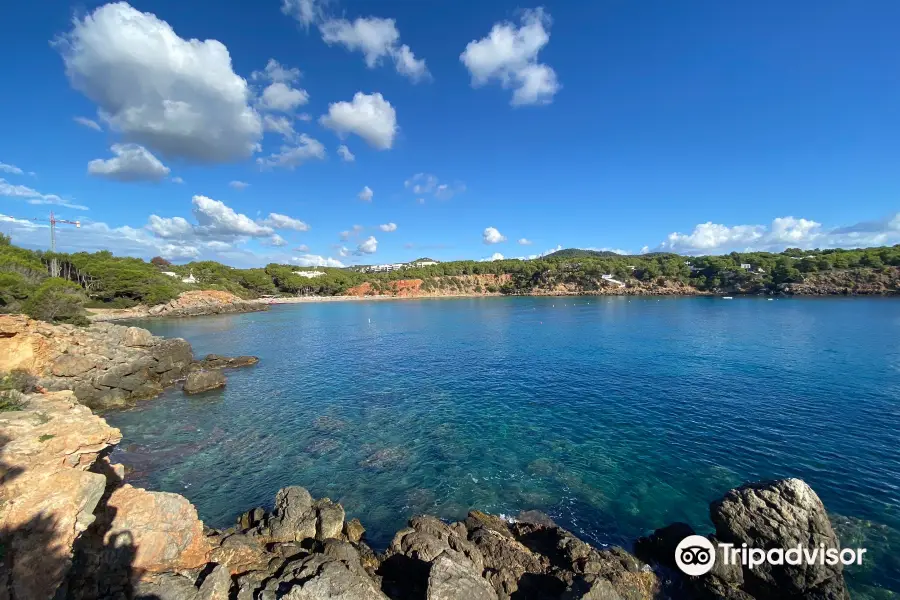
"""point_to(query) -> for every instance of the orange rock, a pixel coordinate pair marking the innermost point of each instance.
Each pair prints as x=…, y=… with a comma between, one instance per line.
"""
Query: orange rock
x=164, y=528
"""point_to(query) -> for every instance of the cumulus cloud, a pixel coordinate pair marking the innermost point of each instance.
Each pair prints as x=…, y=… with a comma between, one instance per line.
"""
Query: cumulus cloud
x=291, y=156
x=376, y=38
x=216, y=219
x=369, y=116
x=783, y=232
x=89, y=123
x=302, y=248
x=305, y=11
x=178, y=97
x=275, y=72
x=169, y=227
x=313, y=260
x=509, y=55
x=12, y=169
x=281, y=125
x=276, y=240
x=131, y=163
x=369, y=245
x=496, y=256
x=32, y=196
x=388, y=227
x=277, y=221
x=238, y=185
x=366, y=194
x=282, y=97
x=425, y=183
x=345, y=154
x=524, y=242
x=491, y=236
x=177, y=180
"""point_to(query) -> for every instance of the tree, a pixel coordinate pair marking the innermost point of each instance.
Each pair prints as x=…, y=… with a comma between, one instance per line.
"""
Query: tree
x=57, y=300
x=160, y=262
x=4, y=240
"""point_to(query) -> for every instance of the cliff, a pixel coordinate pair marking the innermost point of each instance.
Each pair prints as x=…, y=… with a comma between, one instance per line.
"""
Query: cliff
x=70, y=527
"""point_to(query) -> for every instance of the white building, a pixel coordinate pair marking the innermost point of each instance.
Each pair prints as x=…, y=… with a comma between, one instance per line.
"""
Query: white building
x=385, y=268
x=424, y=263
x=170, y=273
x=609, y=276
x=309, y=274
x=189, y=279
x=746, y=266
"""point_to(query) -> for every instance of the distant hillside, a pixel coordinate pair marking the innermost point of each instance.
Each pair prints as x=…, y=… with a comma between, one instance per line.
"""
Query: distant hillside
x=579, y=253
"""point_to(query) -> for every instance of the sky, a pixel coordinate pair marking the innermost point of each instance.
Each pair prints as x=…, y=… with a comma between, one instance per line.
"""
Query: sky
x=339, y=132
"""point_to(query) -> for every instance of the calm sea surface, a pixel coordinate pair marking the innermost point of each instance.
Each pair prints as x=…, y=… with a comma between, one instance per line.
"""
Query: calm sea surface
x=613, y=415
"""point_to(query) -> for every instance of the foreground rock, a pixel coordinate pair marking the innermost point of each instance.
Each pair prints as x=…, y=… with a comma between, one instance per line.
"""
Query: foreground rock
x=775, y=514
x=49, y=455
x=105, y=365
x=203, y=381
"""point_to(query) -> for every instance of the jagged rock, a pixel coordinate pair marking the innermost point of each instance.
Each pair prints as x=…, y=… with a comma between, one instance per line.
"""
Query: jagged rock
x=166, y=586
x=780, y=514
x=241, y=553
x=320, y=577
x=107, y=366
x=660, y=546
x=294, y=519
x=449, y=580
x=136, y=337
x=214, y=361
x=216, y=585
x=329, y=519
x=354, y=530
x=203, y=381
x=163, y=527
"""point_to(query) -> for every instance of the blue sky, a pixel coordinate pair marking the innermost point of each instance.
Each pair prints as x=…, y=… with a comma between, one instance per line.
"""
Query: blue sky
x=700, y=127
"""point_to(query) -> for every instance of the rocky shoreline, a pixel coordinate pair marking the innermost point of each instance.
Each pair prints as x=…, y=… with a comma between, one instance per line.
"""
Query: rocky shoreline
x=73, y=528
x=188, y=304
x=107, y=366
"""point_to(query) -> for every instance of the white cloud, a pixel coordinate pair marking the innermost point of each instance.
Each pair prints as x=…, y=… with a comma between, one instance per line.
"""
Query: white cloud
x=13, y=169
x=177, y=97
x=376, y=38
x=492, y=236
x=344, y=252
x=305, y=11
x=388, y=227
x=496, y=256
x=277, y=221
x=281, y=97
x=32, y=196
x=169, y=227
x=177, y=180
x=302, y=248
x=290, y=157
x=366, y=194
x=276, y=240
x=524, y=242
x=89, y=123
x=275, y=72
x=218, y=245
x=131, y=163
x=509, y=55
x=313, y=260
x=783, y=232
x=425, y=183
x=369, y=245
x=216, y=219
x=238, y=185
x=280, y=124
x=369, y=116
x=345, y=154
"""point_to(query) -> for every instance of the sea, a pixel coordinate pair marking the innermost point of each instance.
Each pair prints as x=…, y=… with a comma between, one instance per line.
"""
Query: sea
x=613, y=415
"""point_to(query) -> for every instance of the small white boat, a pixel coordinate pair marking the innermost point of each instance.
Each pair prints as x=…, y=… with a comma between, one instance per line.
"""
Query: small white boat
x=727, y=298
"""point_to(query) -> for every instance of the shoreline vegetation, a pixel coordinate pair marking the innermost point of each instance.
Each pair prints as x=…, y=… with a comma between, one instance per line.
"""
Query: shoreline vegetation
x=61, y=287
x=72, y=526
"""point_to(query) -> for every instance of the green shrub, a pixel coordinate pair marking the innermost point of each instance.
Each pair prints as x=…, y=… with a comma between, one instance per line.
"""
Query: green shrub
x=12, y=387
x=57, y=300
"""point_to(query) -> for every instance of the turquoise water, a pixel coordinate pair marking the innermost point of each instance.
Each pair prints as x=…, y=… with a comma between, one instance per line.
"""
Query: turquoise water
x=613, y=415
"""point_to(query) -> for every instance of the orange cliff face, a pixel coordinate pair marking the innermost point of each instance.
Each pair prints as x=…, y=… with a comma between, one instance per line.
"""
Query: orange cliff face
x=451, y=285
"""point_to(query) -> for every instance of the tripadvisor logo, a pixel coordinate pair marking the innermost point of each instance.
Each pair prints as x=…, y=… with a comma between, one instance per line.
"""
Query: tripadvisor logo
x=695, y=555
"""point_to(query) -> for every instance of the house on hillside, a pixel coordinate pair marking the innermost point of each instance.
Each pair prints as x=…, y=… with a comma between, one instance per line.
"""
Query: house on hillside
x=189, y=279
x=309, y=274
x=746, y=266
x=170, y=273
